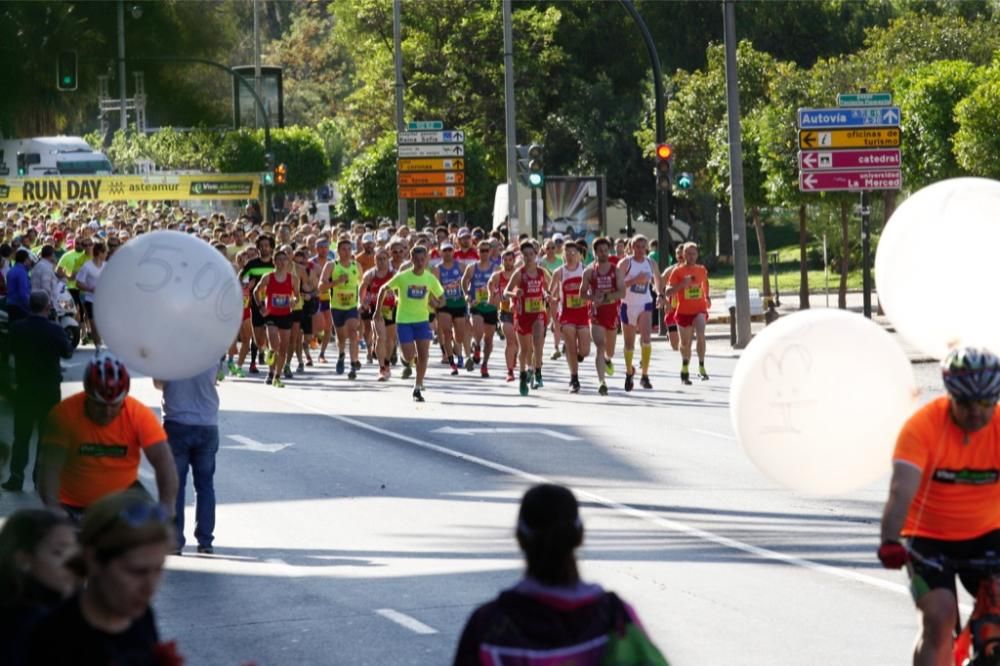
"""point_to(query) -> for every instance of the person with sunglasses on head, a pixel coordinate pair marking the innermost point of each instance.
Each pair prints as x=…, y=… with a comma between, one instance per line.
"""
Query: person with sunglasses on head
x=944, y=494
x=35, y=548
x=93, y=441
x=124, y=542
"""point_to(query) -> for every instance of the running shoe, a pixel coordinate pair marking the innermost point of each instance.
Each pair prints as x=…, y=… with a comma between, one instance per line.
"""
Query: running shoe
x=321, y=359
x=362, y=344
x=269, y=358
x=356, y=365
x=353, y=374
x=239, y=373
x=300, y=368
x=602, y=389
x=407, y=371
x=510, y=375
x=454, y=369
x=270, y=378
x=288, y=372
x=309, y=362
x=417, y=397
x=231, y=365
x=253, y=369
x=523, y=387
x=220, y=374
x=483, y=372
x=278, y=383
x=686, y=378
x=314, y=344
x=445, y=360
x=371, y=359
x=609, y=368
x=645, y=383
x=536, y=382
x=340, y=364
x=261, y=358
x=470, y=364
x=702, y=373
x=556, y=355
x=383, y=374
x=629, y=381
x=574, y=385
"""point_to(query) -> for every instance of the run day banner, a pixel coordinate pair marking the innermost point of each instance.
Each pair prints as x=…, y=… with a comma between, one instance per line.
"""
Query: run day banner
x=157, y=187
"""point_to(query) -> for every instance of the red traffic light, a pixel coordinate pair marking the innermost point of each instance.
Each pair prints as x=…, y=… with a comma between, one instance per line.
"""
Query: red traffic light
x=664, y=151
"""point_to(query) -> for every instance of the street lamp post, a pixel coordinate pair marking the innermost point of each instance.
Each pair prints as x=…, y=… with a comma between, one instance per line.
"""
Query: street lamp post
x=121, y=64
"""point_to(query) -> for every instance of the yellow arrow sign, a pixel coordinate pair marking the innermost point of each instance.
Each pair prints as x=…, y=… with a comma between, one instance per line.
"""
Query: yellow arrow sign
x=883, y=137
x=431, y=164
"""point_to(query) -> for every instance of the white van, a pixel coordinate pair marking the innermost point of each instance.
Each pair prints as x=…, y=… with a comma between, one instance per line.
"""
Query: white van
x=50, y=156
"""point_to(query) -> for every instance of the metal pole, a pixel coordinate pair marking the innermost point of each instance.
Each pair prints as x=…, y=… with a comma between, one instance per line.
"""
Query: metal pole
x=256, y=57
x=121, y=64
x=740, y=267
x=397, y=39
x=534, y=212
x=509, y=126
x=826, y=274
x=866, y=251
x=664, y=198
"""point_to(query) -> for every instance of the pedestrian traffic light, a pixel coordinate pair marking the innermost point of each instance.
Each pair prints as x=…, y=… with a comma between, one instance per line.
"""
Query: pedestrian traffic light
x=268, y=178
x=664, y=161
x=66, y=71
x=269, y=161
x=280, y=174
x=685, y=181
x=22, y=164
x=536, y=166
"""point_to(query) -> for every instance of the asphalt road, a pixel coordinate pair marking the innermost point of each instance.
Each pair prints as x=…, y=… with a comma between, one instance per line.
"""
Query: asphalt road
x=371, y=536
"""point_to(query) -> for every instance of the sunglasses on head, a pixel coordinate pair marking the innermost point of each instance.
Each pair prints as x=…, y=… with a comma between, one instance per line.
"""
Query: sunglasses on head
x=136, y=515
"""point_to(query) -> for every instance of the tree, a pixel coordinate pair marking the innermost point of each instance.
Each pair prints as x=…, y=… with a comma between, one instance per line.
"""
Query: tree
x=977, y=141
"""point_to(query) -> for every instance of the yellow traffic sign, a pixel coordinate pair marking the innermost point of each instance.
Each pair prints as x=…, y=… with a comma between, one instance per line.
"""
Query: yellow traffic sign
x=432, y=178
x=882, y=137
x=431, y=164
x=431, y=192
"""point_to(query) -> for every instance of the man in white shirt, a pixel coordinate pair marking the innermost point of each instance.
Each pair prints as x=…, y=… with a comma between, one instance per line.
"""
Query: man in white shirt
x=43, y=275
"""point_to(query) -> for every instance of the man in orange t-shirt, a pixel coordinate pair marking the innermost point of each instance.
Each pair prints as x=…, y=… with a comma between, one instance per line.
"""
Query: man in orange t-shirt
x=944, y=495
x=689, y=283
x=93, y=440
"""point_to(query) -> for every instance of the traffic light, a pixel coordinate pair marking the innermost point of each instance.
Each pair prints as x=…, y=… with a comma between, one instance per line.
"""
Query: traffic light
x=280, y=174
x=685, y=181
x=268, y=178
x=66, y=71
x=664, y=161
x=22, y=164
x=269, y=161
x=536, y=166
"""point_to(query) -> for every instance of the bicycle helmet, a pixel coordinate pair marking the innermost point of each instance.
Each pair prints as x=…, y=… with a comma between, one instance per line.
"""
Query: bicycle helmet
x=105, y=378
x=971, y=373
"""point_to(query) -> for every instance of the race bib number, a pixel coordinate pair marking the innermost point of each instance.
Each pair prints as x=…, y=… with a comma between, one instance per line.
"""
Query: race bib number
x=387, y=313
x=246, y=300
x=482, y=295
x=533, y=305
x=453, y=291
x=692, y=293
x=345, y=299
x=574, y=302
x=416, y=291
x=639, y=289
x=280, y=301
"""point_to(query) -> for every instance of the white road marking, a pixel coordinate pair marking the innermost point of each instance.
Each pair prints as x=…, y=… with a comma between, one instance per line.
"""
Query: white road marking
x=247, y=444
x=404, y=620
x=450, y=430
x=712, y=434
x=648, y=516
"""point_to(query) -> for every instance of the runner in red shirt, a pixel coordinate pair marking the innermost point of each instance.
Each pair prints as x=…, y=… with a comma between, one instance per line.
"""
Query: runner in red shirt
x=497, y=286
x=383, y=323
x=605, y=287
x=278, y=291
x=528, y=287
x=574, y=311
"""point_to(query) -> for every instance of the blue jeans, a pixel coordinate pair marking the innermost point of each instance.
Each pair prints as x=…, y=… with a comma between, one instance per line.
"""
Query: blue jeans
x=195, y=446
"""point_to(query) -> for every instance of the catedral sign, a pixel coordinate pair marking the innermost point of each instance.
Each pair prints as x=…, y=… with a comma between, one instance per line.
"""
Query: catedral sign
x=130, y=188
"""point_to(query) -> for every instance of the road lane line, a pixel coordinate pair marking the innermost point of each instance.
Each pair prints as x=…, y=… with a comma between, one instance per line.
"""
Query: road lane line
x=404, y=620
x=642, y=514
x=712, y=434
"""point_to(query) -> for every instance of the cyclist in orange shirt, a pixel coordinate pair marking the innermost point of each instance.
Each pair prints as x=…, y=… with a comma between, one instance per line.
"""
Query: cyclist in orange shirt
x=944, y=494
x=93, y=439
x=689, y=283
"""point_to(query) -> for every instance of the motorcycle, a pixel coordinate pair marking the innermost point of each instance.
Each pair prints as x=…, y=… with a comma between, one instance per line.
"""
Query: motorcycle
x=64, y=312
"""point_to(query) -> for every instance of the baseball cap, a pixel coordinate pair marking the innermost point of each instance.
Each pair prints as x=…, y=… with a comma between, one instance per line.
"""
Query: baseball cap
x=447, y=246
x=463, y=232
x=383, y=234
x=557, y=238
x=368, y=238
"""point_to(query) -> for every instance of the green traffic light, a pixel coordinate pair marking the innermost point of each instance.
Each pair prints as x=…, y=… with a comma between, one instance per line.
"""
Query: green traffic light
x=67, y=80
x=535, y=179
x=685, y=181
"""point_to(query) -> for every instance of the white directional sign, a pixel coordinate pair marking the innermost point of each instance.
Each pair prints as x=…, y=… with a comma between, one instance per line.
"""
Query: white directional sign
x=446, y=136
x=429, y=150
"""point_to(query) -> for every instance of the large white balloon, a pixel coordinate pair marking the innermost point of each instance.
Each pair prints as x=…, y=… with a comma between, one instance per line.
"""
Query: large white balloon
x=168, y=304
x=818, y=398
x=937, y=269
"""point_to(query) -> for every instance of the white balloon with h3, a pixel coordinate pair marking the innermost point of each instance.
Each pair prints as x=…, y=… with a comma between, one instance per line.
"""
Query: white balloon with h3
x=818, y=398
x=168, y=304
x=937, y=268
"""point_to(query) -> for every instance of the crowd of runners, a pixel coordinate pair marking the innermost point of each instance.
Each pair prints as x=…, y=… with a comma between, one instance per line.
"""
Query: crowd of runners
x=371, y=294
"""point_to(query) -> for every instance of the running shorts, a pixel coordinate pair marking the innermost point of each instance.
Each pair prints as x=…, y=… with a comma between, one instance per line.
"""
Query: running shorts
x=341, y=317
x=257, y=318
x=324, y=306
x=506, y=317
x=455, y=311
x=607, y=318
x=924, y=577
x=685, y=320
x=282, y=322
x=489, y=316
x=670, y=320
x=408, y=333
x=525, y=323
x=625, y=314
